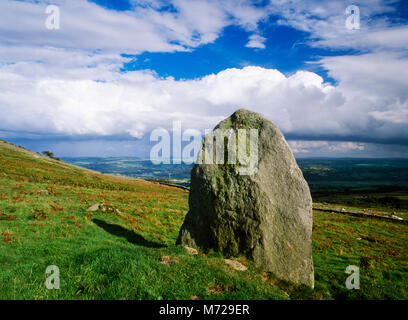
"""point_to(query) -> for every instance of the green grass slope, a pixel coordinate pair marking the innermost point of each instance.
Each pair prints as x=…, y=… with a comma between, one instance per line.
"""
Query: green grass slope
x=121, y=250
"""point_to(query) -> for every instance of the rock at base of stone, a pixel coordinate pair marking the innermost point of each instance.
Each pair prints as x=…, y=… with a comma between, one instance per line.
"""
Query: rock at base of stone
x=235, y=265
x=191, y=251
x=94, y=208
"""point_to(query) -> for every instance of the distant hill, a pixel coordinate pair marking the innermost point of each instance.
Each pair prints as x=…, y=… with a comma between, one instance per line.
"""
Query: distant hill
x=23, y=165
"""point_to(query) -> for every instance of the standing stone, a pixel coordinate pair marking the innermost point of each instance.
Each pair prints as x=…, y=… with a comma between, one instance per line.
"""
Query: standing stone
x=264, y=214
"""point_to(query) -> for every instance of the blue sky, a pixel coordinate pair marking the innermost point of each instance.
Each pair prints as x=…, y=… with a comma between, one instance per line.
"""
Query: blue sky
x=113, y=71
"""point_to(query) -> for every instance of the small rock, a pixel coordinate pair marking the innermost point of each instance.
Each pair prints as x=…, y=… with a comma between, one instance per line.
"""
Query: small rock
x=235, y=264
x=343, y=210
x=44, y=192
x=95, y=207
x=396, y=217
x=358, y=238
x=169, y=260
x=191, y=251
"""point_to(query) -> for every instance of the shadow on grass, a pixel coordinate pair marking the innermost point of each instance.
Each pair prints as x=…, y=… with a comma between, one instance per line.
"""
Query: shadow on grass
x=130, y=236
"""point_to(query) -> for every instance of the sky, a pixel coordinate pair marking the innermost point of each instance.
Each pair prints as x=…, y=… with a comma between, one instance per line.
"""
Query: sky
x=96, y=78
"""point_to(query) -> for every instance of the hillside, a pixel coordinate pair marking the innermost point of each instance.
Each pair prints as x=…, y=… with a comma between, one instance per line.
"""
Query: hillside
x=126, y=249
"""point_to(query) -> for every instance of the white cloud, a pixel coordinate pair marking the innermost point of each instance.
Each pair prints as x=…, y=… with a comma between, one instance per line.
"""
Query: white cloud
x=321, y=147
x=84, y=25
x=135, y=102
x=301, y=146
x=325, y=22
x=88, y=26
x=397, y=115
x=310, y=149
x=346, y=146
x=377, y=92
x=256, y=41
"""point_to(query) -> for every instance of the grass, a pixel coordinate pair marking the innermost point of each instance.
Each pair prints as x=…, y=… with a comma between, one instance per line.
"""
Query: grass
x=117, y=251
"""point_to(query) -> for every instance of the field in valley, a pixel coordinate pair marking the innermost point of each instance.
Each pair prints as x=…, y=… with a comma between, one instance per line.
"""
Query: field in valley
x=126, y=249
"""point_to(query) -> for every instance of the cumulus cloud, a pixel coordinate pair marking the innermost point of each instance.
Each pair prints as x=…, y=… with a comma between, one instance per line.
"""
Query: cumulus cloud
x=377, y=91
x=132, y=103
x=256, y=41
